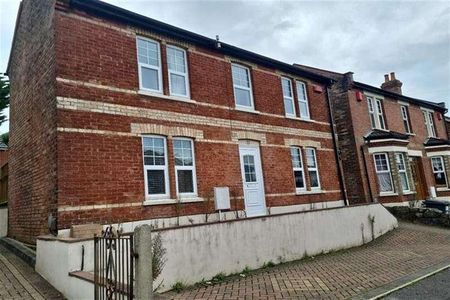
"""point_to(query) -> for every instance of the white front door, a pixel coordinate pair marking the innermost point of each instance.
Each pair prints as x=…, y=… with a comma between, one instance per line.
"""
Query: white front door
x=255, y=203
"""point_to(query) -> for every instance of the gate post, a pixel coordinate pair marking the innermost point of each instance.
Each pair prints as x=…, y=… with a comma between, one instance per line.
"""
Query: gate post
x=143, y=249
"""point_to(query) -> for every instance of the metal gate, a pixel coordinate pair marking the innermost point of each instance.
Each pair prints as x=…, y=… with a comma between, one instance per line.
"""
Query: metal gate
x=113, y=265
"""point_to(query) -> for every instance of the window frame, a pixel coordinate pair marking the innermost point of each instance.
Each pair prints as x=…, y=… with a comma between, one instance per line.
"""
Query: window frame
x=250, y=88
x=405, y=117
x=165, y=168
x=158, y=69
x=315, y=169
x=441, y=158
x=429, y=123
x=191, y=168
x=185, y=75
x=389, y=171
x=299, y=100
x=291, y=98
x=376, y=112
x=297, y=169
x=403, y=171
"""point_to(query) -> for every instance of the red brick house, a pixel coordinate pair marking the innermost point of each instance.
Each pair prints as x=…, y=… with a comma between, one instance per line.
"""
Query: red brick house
x=394, y=148
x=119, y=118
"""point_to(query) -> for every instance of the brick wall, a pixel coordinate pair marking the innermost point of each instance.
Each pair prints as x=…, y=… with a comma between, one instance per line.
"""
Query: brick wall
x=101, y=116
x=32, y=162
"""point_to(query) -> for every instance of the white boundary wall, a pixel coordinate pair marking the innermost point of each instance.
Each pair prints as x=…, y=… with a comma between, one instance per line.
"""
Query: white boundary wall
x=3, y=221
x=201, y=251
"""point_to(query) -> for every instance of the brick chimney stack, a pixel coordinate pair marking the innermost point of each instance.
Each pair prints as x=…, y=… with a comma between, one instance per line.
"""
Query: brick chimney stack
x=392, y=84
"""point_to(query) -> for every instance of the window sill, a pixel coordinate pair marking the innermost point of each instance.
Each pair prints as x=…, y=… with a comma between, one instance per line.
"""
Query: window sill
x=442, y=189
x=299, y=119
x=248, y=110
x=313, y=192
x=408, y=193
x=388, y=194
x=172, y=201
x=411, y=134
x=158, y=95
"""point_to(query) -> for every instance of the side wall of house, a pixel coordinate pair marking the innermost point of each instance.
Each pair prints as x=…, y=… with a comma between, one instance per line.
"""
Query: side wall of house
x=32, y=161
x=102, y=116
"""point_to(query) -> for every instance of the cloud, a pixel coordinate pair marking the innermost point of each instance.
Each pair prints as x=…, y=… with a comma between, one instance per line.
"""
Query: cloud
x=370, y=38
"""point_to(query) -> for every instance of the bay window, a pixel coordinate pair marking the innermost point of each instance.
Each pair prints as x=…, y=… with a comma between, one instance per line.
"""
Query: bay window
x=438, y=166
x=155, y=167
x=402, y=173
x=149, y=65
x=383, y=172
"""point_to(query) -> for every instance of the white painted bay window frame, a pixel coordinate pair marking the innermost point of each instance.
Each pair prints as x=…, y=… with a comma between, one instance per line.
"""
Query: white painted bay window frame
x=165, y=168
x=387, y=171
x=192, y=168
x=441, y=161
x=149, y=66
x=302, y=95
x=288, y=98
x=246, y=88
x=178, y=73
x=298, y=169
x=402, y=170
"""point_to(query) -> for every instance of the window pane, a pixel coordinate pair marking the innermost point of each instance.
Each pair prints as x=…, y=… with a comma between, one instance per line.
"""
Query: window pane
x=304, y=113
x=183, y=152
x=301, y=91
x=185, y=181
x=156, y=182
x=399, y=159
x=149, y=78
x=296, y=159
x=148, y=52
x=384, y=179
x=440, y=178
x=299, y=183
x=243, y=97
x=178, y=84
x=437, y=164
x=240, y=76
x=289, y=106
x=381, y=162
x=249, y=168
x=154, y=153
x=286, y=85
x=404, y=181
x=314, y=178
x=176, y=60
x=310, y=158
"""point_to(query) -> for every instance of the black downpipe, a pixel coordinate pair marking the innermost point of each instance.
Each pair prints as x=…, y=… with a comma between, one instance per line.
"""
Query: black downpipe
x=367, y=173
x=336, y=149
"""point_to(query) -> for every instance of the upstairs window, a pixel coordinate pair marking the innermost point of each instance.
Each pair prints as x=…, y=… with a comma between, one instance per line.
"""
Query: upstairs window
x=429, y=123
x=297, y=165
x=437, y=163
x=376, y=113
x=149, y=64
x=288, y=97
x=178, y=71
x=302, y=100
x=401, y=166
x=155, y=167
x=405, y=118
x=313, y=171
x=383, y=171
x=242, y=87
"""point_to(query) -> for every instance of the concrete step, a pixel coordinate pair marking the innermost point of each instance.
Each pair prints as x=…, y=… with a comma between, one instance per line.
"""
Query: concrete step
x=26, y=253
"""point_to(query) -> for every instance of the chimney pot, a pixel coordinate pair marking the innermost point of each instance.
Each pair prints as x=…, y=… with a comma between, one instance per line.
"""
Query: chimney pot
x=392, y=75
x=386, y=77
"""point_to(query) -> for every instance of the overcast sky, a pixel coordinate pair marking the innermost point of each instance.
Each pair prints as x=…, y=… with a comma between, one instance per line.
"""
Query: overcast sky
x=370, y=38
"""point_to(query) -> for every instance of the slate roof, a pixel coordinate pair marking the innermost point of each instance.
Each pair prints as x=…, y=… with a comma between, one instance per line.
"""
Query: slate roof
x=436, y=142
x=383, y=134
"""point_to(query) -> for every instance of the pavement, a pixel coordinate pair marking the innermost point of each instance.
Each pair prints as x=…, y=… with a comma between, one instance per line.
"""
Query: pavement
x=407, y=253
x=19, y=281
x=435, y=287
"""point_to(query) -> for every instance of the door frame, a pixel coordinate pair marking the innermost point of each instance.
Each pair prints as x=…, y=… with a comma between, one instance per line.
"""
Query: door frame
x=420, y=175
x=254, y=146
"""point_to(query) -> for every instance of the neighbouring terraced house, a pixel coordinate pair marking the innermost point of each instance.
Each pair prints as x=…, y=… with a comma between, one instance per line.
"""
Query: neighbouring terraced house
x=118, y=118
x=394, y=148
